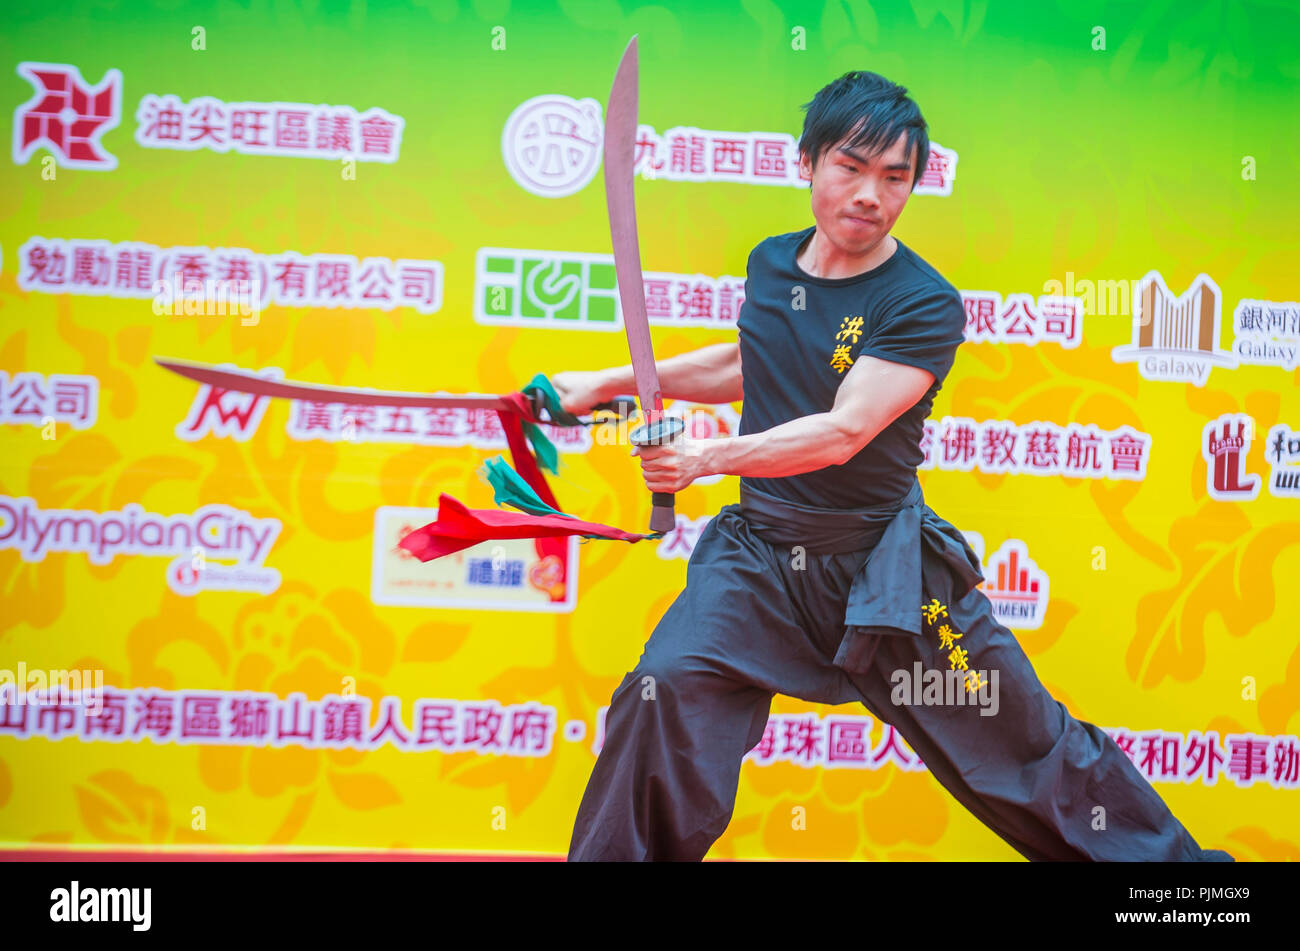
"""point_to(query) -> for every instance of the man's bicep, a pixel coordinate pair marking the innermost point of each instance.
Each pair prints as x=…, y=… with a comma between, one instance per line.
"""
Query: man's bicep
x=925, y=335
x=876, y=392
x=935, y=363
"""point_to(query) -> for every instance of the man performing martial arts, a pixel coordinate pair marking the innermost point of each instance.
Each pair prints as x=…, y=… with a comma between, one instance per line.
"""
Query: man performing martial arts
x=832, y=574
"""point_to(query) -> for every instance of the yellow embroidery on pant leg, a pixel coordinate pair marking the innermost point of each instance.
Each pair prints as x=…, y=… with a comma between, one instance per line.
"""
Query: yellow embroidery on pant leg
x=958, y=657
x=933, y=610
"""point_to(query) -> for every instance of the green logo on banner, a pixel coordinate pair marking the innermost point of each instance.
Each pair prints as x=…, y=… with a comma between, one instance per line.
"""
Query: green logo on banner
x=542, y=288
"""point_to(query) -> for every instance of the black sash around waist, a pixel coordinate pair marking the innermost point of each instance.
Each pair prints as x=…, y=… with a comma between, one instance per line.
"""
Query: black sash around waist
x=900, y=539
x=820, y=531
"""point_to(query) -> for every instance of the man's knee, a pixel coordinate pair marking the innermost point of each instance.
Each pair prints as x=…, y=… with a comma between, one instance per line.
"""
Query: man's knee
x=677, y=676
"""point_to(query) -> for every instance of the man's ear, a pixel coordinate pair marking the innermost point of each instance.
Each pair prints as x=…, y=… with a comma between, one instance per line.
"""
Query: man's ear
x=805, y=166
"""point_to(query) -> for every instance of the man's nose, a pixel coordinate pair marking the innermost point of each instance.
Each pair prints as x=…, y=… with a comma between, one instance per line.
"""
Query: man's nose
x=867, y=193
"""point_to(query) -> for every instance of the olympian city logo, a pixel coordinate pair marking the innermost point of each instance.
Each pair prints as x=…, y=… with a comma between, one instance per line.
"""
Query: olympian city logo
x=213, y=531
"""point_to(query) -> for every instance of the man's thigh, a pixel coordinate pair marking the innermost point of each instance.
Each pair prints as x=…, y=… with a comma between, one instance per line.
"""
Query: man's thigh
x=1010, y=752
x=737, y=620
x=968, y=683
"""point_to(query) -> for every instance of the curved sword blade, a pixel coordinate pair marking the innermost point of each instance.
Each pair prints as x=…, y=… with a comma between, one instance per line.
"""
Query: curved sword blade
x=620, y=159
x=243, y=381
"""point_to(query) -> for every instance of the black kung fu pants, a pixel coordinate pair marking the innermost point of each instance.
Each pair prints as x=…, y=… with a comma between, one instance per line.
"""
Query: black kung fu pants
x=753, y=621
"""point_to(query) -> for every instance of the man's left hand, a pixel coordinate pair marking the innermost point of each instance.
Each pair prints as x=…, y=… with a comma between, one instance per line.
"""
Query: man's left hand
x=674, y=466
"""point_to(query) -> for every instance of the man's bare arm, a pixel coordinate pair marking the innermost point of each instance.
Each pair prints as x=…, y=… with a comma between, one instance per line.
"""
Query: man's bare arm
x=873, y=394
x=708, y=375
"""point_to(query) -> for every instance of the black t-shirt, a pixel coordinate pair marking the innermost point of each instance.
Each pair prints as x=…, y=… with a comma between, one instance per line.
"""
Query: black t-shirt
x=795, y=359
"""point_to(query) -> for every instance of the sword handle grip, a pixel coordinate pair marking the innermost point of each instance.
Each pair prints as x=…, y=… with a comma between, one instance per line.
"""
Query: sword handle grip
x=621, y=406
x=666, y=429
x=663, y=514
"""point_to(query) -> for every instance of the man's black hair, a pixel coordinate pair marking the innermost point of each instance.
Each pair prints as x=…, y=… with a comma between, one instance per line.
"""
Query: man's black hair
x=880, y=110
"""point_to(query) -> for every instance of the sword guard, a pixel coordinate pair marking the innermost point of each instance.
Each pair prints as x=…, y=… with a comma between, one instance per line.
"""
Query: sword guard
x=537, y=402
x=659, y=433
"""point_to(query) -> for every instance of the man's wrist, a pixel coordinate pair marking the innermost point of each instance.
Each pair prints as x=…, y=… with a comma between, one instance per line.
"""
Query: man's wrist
x=713, y=454
x=609, y=384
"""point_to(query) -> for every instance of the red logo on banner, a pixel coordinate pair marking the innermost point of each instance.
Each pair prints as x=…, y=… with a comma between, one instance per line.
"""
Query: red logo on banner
x=67, y=116
x=1226, y=441
x=225, y=413
x=1016, y=587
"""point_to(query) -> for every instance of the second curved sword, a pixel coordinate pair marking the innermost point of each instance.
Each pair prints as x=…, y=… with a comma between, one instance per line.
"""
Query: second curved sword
x=620, y=159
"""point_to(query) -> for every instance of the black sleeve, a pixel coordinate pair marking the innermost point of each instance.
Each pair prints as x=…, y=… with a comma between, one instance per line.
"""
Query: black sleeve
x=925, y=333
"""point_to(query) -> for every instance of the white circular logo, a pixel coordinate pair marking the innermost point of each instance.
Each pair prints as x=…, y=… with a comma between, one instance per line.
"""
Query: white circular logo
x=552, y=144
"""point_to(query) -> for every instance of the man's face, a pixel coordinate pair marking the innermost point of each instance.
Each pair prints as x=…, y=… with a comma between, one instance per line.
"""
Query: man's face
x=857, y=198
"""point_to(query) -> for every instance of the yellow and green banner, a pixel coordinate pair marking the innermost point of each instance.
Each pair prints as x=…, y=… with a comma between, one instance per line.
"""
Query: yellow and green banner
x=209, y=637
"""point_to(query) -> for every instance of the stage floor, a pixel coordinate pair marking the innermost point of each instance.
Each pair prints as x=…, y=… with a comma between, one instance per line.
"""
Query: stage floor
x=261, y=855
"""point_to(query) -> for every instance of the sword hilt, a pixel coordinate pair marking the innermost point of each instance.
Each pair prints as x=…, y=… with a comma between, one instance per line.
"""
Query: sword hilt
x=621, y=406
x=665, y=429
x=663, y=512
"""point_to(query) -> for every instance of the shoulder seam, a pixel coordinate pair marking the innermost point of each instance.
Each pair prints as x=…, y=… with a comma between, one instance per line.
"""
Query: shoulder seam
x=935, y=281
x=938, y=281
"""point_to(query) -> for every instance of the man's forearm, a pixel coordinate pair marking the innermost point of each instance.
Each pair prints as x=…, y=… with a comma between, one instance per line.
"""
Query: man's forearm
x=708, y=375
x=872, y=395
x=802, y=445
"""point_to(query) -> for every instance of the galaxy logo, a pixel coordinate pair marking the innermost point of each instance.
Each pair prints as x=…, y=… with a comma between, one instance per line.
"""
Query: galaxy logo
x=1176, y=339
